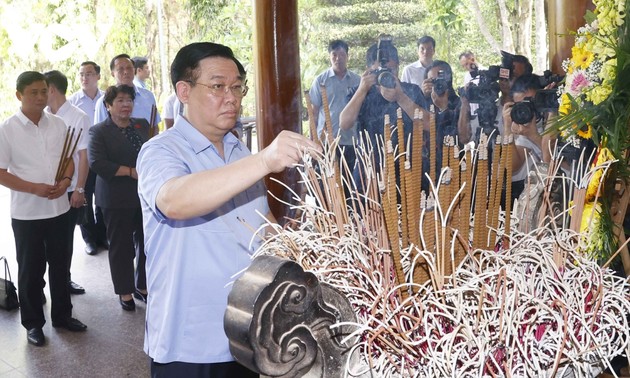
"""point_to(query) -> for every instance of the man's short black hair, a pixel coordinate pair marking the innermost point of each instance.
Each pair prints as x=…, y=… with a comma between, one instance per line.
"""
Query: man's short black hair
x=139, y=62
x=186, y=63
x=337, y=43
x=112, y=92
x=97, y=68
x=112, y=63
x=58, y=80
x=426, y=39
x=466, y=54
x=525, y=83
x=27, y=78
x=387, y=48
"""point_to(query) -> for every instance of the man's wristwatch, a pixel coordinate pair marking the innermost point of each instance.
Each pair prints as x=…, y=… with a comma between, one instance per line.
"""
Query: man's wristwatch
x=80, y=190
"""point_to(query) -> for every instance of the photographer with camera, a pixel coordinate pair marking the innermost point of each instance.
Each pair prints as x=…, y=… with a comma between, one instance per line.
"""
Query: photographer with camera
x=438, y=83
x=380, y=93
x=527, y=124
x=482, y=102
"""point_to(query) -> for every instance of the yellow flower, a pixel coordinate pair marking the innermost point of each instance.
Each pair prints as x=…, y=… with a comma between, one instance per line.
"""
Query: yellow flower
x=609, y=70
x=585, y=134
x=603, y=155
x=565, y=104
x=590, y=216
x=599, y=94
x=582, y=58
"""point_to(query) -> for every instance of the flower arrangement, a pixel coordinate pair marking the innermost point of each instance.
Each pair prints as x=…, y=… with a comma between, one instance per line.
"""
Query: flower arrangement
x=595, y=106
x=591, y=70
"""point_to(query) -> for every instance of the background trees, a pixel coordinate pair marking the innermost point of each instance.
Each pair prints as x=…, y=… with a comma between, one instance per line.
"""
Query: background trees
x=60, y=34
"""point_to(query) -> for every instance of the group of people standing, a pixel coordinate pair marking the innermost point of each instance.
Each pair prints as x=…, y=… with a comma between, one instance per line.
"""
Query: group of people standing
x=358, y=104
x=183, y=204
x=105, y=130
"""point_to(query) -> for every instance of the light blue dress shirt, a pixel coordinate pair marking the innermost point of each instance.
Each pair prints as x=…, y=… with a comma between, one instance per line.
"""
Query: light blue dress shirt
x=190, y=263
x=85, y=103
x=141, y=107
x=337, y=91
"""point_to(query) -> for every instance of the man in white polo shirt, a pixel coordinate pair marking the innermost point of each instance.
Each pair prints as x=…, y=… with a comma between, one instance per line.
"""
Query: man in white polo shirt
x=77, y=119
x=31, y=143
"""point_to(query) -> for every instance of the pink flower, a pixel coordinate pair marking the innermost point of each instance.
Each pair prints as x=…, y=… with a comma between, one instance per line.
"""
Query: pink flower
x=578, y=83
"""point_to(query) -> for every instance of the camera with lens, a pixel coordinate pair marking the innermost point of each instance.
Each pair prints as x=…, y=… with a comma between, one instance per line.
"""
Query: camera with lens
x=546, y=100
x=485, y=93
x=384, y=75
x=440, y=86
x=523, y=112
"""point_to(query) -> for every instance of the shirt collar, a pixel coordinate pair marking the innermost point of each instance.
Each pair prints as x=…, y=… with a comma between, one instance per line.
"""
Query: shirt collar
x=25, y=120
x=198, y=141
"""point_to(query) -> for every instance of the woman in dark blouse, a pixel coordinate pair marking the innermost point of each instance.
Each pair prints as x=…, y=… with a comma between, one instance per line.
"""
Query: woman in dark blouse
x=113, y=150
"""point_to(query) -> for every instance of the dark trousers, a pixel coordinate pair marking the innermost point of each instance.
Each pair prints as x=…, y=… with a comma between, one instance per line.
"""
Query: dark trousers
x=94, y=230
x=38, y=242
x=189, y=370
x=126, y=242
x=73, y=214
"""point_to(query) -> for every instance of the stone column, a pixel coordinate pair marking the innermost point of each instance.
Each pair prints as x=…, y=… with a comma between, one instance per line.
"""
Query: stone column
x=278, y=87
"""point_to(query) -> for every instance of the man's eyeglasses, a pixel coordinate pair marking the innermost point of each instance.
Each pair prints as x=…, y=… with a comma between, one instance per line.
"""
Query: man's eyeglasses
x=220, y=90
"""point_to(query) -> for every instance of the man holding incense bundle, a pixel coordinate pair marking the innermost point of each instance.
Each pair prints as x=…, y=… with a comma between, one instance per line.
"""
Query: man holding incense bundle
x=80, y=122
x=34, y=163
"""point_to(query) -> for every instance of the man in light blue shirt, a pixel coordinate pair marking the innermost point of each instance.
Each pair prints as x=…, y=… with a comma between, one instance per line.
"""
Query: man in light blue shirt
x=142, y=71
x=87, y=97
x=122, y=70
x=202, y=194
x=339, y=83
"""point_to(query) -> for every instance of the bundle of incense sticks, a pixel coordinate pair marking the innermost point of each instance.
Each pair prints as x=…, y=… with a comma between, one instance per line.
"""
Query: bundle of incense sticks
x=69, y=146
x=390, y=204
x=311, y=119
x=153, y=129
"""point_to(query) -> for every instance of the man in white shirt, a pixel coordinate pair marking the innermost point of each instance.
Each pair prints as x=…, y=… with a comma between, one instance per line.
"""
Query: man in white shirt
x=414, y=72
x=76, y=119
x=172, y=109
x=93, y=230
x=31, y=143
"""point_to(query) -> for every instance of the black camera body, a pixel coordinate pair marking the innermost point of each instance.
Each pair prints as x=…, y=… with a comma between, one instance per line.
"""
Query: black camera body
x=546, y=100
x=486, y=94
x=523, y=112
x=384, y=75
x=440, y=86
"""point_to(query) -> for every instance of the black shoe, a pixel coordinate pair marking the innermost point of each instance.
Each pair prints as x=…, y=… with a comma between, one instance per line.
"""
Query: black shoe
x=140, y=296
x=104, y=245
x=90, y=248
x=71, y=324
x=35, y=336
x=75, y=288
x=129, y=305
